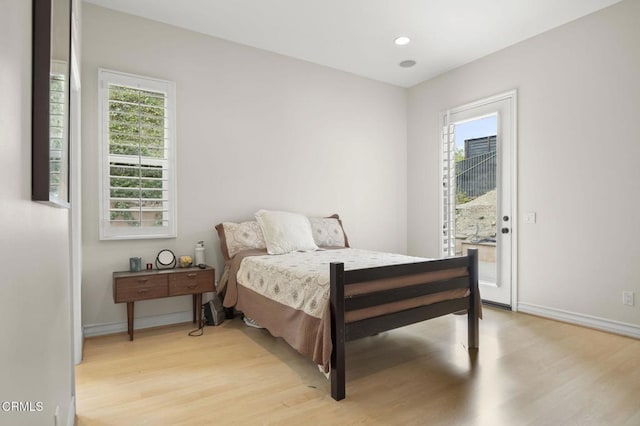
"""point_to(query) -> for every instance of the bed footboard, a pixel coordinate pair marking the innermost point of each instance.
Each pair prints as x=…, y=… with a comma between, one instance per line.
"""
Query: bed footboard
x=419, y=280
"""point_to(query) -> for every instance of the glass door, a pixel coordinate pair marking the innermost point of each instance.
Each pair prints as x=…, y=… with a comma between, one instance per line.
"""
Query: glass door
x=477, y=190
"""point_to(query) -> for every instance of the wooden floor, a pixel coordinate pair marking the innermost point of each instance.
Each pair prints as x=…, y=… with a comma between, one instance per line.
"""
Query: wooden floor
x=529, y=371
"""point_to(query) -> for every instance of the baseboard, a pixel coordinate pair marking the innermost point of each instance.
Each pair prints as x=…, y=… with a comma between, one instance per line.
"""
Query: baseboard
x=91, y=330
x=611, y=326
x=71, y=412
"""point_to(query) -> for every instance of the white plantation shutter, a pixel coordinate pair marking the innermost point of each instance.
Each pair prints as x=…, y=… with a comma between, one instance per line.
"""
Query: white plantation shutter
x=448, y=191
x=57, y=148
x=137, y=137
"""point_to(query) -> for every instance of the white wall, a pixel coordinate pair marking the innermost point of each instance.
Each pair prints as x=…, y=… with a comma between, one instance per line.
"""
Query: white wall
x=579, y=147
x=35, y=305
x=255, y=130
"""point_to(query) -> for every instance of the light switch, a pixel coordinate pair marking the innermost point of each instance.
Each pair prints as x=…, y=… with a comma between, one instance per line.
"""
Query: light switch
x=530, y=217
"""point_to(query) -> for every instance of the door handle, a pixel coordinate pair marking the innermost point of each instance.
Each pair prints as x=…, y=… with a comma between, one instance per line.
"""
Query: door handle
x=505, y=230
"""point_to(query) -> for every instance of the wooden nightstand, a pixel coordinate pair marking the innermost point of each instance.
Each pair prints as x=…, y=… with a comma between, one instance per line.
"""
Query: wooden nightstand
x=131, y=287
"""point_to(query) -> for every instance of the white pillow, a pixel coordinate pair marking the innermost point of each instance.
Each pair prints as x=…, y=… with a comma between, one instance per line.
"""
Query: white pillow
x=285, y=232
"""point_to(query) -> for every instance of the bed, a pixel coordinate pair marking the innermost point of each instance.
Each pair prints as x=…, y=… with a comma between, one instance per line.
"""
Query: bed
x=319, y=299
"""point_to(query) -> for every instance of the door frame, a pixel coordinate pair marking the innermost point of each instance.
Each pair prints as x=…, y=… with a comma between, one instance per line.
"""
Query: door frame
x=511, y=95
x=75, y=195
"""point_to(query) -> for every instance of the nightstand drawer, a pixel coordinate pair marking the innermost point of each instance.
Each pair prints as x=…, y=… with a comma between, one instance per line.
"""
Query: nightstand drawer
x=191, y=282
x=141, y=288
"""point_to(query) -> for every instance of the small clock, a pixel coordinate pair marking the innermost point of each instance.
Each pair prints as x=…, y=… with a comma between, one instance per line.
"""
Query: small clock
x=165, y=259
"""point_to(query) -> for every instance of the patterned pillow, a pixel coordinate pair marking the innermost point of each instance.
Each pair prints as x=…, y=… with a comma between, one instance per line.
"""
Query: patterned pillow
x=328, y=231
x=236, y=237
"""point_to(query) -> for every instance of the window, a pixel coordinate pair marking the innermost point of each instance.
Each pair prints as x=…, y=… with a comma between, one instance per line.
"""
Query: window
x=137, y=156
x=58, y=164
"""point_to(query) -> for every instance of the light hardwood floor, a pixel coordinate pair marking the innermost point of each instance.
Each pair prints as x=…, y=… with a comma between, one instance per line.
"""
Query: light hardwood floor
x=529, y=371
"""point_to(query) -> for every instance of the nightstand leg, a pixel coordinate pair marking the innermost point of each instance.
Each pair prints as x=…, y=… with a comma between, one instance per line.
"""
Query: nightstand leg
x=195, y=304
x=130, y=320
x=199, y=307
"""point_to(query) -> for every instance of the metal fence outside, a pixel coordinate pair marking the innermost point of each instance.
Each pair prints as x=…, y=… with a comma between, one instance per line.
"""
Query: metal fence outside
x=476, y=176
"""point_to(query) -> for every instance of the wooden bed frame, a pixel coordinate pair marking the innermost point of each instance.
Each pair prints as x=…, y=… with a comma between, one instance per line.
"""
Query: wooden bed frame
x=342, y=332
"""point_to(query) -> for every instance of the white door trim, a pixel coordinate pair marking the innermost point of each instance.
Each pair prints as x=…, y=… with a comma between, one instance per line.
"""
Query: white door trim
x=511, y=95
x=75, y=216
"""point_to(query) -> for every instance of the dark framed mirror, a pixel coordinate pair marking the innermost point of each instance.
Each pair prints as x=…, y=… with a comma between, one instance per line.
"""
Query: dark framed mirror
x=165, y=259
x=50, y=101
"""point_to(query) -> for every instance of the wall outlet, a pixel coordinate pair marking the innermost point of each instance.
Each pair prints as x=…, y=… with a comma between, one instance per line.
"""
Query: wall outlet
x=627, y=298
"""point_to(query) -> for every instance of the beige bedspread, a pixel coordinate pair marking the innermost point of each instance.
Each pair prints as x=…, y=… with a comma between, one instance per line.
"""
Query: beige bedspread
x=300, y=280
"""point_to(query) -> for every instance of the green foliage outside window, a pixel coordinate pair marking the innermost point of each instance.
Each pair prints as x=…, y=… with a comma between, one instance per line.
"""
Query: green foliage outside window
x=461, y=198
x=136, y=130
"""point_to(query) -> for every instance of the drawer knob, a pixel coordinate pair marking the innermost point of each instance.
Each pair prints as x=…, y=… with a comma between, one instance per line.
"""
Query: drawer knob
x=192, y=275
x=192, y=285
x=143, y=280
x=143, y=290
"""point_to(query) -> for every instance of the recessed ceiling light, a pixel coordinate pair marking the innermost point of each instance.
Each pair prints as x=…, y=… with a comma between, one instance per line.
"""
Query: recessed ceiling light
x=407, y=64
x=401, y=41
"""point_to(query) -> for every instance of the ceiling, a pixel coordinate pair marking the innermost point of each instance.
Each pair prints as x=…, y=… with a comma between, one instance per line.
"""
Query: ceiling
x=357, y=35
